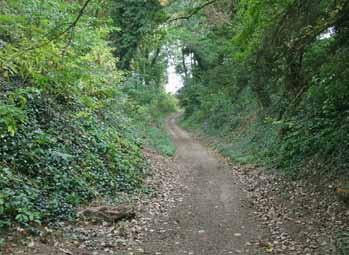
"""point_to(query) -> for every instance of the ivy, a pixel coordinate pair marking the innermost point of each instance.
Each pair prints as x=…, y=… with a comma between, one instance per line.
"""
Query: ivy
x=68, y=133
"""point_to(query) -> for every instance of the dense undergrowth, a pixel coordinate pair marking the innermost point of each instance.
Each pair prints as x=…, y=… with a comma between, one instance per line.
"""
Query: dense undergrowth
x=274, y=91
x=70, y=130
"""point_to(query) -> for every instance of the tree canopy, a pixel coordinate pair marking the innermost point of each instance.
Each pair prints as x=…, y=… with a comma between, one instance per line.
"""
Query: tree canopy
x=275, y=72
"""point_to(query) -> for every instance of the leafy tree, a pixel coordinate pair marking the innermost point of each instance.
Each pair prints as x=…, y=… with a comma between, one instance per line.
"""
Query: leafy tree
x=268, y=73
x=134, y=19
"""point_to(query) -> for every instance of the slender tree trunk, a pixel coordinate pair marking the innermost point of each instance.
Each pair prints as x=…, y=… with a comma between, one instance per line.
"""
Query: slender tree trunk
x=295, y=81
x=259, y=83
x=184, y=65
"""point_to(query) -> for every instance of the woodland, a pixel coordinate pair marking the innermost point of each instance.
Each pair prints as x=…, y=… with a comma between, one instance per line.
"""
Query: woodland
x=83, y=92
x=271, y=77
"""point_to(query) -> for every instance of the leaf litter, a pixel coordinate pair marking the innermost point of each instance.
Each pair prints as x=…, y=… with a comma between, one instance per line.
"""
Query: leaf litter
x=303, y=218
x=100, y=234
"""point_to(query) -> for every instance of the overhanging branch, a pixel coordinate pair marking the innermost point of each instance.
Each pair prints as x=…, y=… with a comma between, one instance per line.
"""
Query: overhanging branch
x=69, y=28
x=193, y=12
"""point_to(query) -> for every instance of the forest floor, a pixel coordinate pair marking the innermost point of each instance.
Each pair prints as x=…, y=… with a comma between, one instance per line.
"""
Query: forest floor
x=203, y=204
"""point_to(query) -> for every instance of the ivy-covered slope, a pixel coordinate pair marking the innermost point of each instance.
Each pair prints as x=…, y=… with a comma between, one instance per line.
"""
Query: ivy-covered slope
x=69, y=131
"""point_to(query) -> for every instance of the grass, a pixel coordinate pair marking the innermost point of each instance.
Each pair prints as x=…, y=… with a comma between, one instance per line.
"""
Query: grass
x=245, y=145
x=159, y=139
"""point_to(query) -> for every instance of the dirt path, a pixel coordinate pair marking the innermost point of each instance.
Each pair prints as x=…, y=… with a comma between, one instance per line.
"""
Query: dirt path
x=213, y=218
x=201, y=205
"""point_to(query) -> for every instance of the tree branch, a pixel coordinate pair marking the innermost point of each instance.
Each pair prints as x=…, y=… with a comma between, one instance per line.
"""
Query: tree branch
x=73, y=24
x=156, y=55
x=70, y=27
x=193, y=12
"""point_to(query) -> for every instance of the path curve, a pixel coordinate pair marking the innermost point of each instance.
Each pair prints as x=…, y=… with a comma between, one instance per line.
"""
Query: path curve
x=213, y=218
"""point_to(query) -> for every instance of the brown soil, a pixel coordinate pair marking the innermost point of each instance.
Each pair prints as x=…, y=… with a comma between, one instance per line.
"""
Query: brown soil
x=214, y=218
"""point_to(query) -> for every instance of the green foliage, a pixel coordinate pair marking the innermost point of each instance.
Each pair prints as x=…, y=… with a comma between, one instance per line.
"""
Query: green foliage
x=269, y=79
x=150, y=112
x=160, y=140
x=69, y=130
x=11, y=116
x=135, y=19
